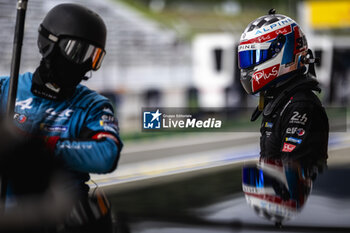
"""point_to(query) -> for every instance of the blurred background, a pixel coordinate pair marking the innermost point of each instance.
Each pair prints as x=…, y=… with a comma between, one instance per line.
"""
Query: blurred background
x=182, y=53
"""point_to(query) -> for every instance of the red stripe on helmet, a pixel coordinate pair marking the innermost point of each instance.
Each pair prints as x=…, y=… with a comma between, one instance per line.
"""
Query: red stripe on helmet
x=275, y=199
x=262, y=77
x=269, y=36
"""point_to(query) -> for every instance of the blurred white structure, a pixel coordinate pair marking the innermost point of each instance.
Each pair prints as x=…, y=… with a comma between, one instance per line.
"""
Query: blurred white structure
x=213, y=67
x=323, y=45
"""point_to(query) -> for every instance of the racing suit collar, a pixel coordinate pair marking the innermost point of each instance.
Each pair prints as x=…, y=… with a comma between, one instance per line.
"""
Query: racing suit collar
x=277, y=96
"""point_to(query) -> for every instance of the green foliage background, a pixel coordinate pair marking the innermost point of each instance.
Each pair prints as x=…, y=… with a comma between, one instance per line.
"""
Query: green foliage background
x=189, y=17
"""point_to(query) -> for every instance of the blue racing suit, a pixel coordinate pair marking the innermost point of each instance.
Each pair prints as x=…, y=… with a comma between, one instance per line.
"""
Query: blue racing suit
x=81, y=131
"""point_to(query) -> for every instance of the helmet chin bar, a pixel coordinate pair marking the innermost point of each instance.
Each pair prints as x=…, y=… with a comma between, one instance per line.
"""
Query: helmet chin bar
x=267, y=71
x=246, y=79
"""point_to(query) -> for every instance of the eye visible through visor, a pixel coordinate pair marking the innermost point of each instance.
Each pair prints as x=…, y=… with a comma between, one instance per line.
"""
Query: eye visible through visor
x=79, y=52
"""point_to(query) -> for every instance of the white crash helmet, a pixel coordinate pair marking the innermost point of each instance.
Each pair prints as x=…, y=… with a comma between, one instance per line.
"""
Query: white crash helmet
x=270, y=47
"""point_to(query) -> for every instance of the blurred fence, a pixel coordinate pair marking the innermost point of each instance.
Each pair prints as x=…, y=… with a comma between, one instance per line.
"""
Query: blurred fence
x=133, y=42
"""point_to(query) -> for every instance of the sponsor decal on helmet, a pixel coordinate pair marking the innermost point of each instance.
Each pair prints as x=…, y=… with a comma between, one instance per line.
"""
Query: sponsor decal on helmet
x=273, y=199
x=287, y=147
x=274, y=26
x=300, y=43
x=263, y=77
x=269, y=36
x=254, y=46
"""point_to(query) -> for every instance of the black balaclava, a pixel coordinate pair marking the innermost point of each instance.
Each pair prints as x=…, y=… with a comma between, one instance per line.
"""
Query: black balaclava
x=56, y=77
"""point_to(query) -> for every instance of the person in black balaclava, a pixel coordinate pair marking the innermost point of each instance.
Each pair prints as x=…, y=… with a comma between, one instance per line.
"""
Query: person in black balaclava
x=66, y=61
x=76, y=124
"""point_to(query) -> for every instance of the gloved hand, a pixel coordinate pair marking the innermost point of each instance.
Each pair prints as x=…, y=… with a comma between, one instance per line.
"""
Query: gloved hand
x=25, y=160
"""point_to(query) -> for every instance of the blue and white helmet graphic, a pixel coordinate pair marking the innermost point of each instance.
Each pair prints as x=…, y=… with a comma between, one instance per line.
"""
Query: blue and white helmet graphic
x=276, y=190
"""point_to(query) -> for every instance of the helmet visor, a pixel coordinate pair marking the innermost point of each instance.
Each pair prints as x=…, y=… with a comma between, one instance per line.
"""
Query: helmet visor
x=79, y=52
x=256, y=177
x=250, y=55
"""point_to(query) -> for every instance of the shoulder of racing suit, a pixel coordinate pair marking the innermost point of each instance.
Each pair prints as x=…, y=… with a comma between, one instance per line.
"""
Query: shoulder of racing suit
x=295, y=124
